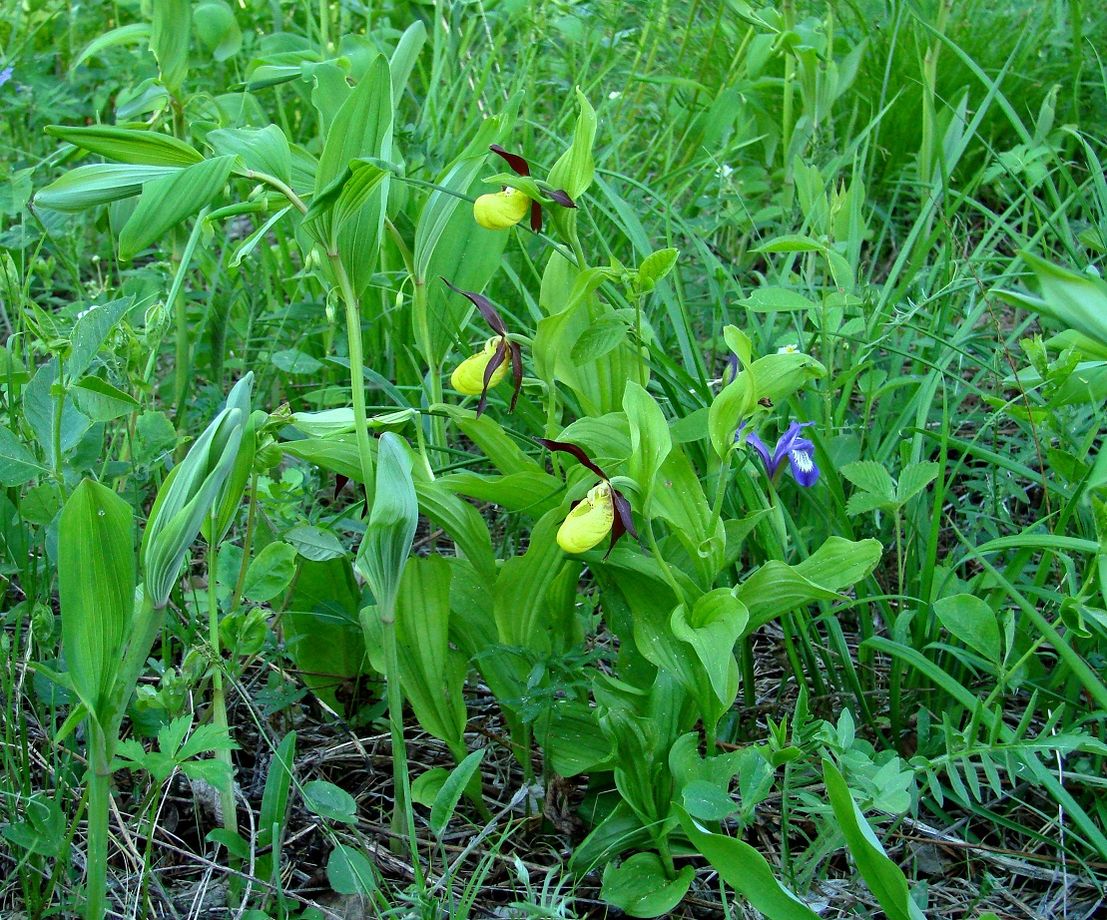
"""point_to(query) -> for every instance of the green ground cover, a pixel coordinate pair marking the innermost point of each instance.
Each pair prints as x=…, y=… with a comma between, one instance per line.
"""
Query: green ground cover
x=553, y=459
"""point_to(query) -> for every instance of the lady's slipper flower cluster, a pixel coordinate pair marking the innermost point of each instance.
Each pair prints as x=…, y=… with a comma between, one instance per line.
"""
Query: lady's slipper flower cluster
x=604, y=510
x=504, y=209
x=477, y=373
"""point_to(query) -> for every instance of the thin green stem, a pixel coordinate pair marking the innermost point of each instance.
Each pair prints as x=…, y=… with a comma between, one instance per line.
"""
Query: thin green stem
x=357, y=373
x=218, y=701
x=56, y=431
x=421, y=322
x=99, y=797
x=403, y=819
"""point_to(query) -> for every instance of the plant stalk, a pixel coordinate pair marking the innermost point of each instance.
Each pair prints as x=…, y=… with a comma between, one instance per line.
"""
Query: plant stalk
x=357, y=373
x=218, y=700
x=99, y=796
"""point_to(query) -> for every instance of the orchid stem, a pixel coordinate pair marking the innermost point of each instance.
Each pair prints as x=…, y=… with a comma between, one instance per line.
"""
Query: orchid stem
x=357, y=373
x=99, y=796
x=218, y=700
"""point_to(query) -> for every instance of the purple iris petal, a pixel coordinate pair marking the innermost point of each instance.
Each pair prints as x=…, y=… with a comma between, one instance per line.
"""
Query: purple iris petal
x=797, y=450
x=771, y=462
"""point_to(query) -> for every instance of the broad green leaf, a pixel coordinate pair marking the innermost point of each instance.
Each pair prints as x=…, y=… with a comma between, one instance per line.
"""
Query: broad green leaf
x=650, y=441
x=263, y=150
x=165, y=202
x=101, y=401
x=861, y=502
x=404, y=57
x=350, y=872
x=17, y=464
x=746, y=871
x=449, y=243
x=185, y=499
x=1077, y=300
x=295, y=362
x=432, y=675
x=712, y=627
x=776, y=377
x=42, y=830
x=270, y=572
x=445, y=802
x=135, y=33
x=734, y=403
x=314, y=543
x=525, y=587
x=387, y=541
x=323, y=634
x=597, y=339
x=101, y=183
x=91, y=331
x=571, y=739
x=427, y=785
x=217, y=28
x=40, y=405
x=362, y=127
x=914, y=478
x=228, y=498
x=128, y=145
x=655, y=267
x=640, y=887
x=775, y=299
x=330, y=801
x=169, y=38
x=461, y=521
x=791, y=243
x=885, y=879
x=575, y=168
x=777, y=587
x=872, y=477
x=96, y=574
x=274, y=803
x=972, y=620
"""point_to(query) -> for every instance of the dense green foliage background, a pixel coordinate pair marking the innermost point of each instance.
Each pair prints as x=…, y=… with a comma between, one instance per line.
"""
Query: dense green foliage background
x=908, y=195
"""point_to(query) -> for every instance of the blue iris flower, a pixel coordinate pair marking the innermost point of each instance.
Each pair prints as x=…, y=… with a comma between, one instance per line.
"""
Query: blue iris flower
x=799, y=452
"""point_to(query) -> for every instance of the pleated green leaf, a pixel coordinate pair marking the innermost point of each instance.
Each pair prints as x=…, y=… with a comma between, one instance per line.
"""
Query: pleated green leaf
x=384, y=548
x=166, y=202
x=186, y=498
x=169, y=40
x=432, y=674
x=746, y=871
x=96, y=573
x=100, y=183
x=128, y=145
x=885, y=879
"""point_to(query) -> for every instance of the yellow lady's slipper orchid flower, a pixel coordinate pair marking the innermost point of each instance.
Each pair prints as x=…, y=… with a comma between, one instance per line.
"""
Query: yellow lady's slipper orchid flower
x=604, y=510
x=589, y=521
x=468, y=376
x=501, y=210
x=485, y=369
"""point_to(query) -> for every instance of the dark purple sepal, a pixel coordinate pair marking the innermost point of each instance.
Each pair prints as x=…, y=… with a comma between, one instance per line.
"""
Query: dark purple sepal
x=561, y=197
x=536, y=217
x=516, y=372
x=484, y=305
x=514, y=160
x=623, y=522
x=567, y=448
x=489, y=370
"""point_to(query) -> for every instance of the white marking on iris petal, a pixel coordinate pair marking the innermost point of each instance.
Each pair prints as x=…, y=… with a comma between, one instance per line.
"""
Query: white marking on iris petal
x=802, y=460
